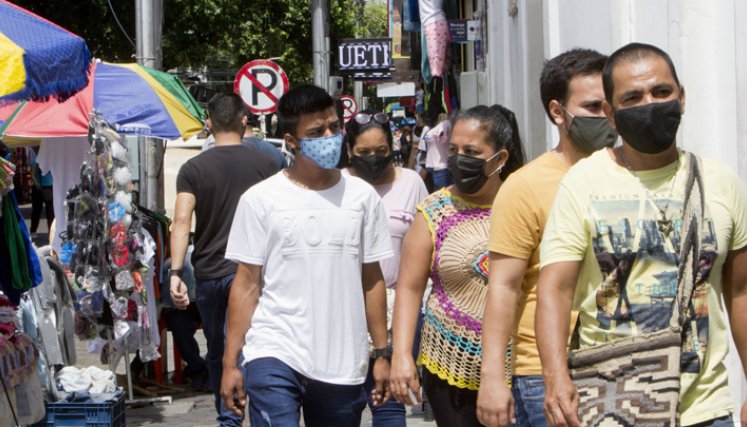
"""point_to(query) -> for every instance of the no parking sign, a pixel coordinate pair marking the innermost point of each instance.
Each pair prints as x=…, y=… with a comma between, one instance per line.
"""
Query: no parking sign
x=260, y=83
x=349, y=107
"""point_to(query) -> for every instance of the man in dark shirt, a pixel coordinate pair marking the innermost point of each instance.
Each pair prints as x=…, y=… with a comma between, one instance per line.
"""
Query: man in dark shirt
x=210, y=185
x=252, y=140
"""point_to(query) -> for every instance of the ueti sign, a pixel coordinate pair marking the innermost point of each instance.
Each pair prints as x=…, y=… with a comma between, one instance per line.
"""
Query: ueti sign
x=349, y=107
x=364, y=54
x=260, y=83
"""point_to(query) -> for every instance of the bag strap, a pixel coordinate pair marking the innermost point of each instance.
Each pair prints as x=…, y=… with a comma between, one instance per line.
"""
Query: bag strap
x=691, y=238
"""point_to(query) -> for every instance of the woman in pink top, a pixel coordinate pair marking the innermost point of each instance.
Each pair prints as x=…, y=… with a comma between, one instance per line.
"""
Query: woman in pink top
x=369, y=144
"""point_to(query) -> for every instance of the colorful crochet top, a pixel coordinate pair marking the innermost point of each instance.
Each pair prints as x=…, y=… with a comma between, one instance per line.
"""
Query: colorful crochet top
x=451, y=345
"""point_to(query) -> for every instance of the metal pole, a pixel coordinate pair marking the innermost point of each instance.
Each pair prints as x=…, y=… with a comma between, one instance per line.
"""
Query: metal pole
x=146, y=47
x=148, y=16
x=319, y=43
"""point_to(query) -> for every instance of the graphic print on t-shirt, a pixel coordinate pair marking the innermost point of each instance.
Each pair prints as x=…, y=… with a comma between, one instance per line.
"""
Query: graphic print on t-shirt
x=321, y=231
x=637, y=250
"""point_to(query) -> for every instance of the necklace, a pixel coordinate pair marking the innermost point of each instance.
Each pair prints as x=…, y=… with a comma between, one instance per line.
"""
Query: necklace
x=665, y=223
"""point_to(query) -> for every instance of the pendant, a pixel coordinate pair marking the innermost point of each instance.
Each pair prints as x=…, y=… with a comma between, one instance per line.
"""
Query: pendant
x=665, y=226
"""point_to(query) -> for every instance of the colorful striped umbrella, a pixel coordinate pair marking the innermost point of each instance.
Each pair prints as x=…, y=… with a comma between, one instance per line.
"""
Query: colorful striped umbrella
x=134, y=99
x=38, y=59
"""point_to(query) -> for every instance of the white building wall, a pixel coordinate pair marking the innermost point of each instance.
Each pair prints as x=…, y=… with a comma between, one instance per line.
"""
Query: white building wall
x=706, y=39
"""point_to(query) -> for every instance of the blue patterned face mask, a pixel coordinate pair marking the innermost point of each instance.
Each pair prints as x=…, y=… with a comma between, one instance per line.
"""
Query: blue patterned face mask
x=324, y=151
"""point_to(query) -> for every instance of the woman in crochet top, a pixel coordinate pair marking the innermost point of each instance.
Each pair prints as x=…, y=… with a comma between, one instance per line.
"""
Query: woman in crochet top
x=448, y=243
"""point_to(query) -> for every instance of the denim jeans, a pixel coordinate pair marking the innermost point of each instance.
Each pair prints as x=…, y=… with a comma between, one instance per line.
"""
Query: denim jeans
x=529, y=396
x=392, y=413
x=441, y=178
x=277, y=393
x=183, y=325
x=212, y=302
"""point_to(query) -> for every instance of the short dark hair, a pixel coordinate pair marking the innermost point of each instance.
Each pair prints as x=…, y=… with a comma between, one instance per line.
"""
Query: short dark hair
x=503, y=132
x=302, y=99
x=558, y=72
x=632, y=52
x=225, y=112
x=353, y=130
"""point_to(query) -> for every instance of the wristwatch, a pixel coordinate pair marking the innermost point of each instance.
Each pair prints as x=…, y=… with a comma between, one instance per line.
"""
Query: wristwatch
x=178, y=272
x=385, y=352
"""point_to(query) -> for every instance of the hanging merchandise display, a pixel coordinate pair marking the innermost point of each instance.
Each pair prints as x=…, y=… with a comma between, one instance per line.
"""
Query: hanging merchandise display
x=21, y=395
x=108, y=252
x=436, y=30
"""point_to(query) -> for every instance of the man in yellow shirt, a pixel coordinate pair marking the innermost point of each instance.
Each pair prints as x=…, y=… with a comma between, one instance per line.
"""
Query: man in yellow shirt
x=611, y=244
x=572, y=94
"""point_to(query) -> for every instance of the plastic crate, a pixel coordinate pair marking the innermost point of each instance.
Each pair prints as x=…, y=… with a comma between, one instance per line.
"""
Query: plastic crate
x=89, y=414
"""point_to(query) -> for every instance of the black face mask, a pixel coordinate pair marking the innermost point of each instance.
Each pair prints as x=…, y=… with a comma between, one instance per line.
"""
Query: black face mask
x=468, y=172
x=370, y=168
x=590, y=133
x=650, y=128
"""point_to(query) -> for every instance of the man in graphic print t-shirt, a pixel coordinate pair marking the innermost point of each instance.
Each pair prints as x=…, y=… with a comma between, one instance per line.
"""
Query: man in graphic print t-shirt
x=616, y=226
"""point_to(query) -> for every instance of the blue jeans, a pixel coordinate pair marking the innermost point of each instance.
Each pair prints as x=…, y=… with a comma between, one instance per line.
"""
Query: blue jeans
x=529, y=395
x=277, y=393
x=212, y=302
x=441, y=178
x=725, y=421
x=183, y=325
x=390, y=414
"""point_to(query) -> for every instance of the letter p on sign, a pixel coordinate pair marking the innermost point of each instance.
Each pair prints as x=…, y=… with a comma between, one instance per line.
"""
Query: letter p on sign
x=260, y=83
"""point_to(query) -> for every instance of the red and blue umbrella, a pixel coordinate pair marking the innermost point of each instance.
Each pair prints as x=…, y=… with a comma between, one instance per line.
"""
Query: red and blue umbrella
x=38, y=59
x=133, y=98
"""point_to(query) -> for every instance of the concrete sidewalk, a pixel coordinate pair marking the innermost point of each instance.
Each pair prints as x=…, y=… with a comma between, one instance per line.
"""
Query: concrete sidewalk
x=188, y=408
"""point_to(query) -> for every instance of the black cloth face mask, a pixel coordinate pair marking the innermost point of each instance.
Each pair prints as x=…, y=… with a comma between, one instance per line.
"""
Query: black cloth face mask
x=590, y=133
x=370, y=168
x=650, y=128
x=469, y=172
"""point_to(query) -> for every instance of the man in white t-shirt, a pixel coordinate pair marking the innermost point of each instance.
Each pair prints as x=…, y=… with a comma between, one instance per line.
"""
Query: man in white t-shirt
x=308, y=288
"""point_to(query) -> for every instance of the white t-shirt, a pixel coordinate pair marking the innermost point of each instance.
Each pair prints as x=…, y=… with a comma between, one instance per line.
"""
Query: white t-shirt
x=63, y=157
x=431, y=11
x=311, y=246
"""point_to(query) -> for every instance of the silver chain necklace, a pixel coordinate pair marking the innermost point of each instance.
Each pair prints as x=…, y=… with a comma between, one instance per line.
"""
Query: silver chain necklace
x=665, y=223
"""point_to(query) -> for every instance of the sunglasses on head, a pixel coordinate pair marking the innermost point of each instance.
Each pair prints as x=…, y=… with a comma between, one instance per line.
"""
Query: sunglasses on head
x=365, y=118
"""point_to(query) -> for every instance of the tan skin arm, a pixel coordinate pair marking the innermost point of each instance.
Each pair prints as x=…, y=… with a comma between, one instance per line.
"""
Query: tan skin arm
x=183, y=210
x=734, y=282
x=417, y=250
x=374, y=296
x=495, y=404
x=413, y=156
x=555, y=289
x=242, y=301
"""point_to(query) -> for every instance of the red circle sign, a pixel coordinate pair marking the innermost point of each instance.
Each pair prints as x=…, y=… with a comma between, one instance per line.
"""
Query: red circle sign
x=349, y=107
x=260, y=83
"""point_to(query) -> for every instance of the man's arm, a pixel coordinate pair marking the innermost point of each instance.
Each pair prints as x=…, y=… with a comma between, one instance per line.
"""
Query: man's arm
x=734, y=282
x=242, y=301
x=555, y=289
x=183, y=210
x=495, y=405
x=374, y=296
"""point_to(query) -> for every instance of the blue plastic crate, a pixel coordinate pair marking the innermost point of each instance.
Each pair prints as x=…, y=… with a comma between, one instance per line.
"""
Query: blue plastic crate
x=76, y=414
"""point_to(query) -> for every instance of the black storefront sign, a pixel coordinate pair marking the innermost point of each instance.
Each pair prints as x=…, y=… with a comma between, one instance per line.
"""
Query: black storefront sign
x=458, y=30
x=364, y=55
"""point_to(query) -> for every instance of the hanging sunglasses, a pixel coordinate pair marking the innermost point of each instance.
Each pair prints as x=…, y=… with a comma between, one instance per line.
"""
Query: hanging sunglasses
x=365, y=118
